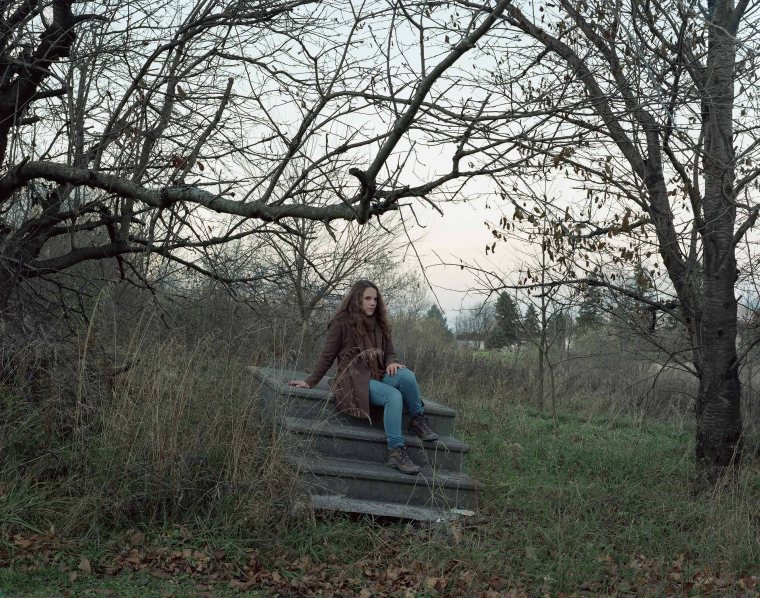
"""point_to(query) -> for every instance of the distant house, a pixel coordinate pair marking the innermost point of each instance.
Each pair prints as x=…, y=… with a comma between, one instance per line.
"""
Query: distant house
x=471, y=343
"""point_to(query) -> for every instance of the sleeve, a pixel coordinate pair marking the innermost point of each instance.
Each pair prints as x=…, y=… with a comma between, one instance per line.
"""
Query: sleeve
x=390, y=352
x=328, y=355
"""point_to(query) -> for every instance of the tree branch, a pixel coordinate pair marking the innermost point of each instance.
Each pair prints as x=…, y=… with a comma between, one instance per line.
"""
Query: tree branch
x=367, y=179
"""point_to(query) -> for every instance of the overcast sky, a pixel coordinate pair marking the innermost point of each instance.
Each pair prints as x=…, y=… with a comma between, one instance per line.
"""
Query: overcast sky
x=460, y=234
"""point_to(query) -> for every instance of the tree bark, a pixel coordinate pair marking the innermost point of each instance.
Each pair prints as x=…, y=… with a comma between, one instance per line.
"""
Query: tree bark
x=719, y=419
x=543, y=349
x=7, y=283
x=540, y=397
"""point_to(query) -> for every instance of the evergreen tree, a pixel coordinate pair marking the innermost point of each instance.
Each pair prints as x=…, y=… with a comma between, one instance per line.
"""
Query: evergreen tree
x=590, y=314
x=506, y=323
x=531, y=324
x=435, y=314
x=633, y=314
x=560, y=326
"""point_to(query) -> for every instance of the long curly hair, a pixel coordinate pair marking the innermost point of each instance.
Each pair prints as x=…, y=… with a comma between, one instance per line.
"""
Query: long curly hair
x=351, y=306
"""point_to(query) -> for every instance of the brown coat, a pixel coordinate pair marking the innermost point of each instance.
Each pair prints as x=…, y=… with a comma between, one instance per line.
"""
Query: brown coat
x=351, y=382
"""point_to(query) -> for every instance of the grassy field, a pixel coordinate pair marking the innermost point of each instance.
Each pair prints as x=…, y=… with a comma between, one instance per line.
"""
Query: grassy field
x=573, y=506
x=52, y=582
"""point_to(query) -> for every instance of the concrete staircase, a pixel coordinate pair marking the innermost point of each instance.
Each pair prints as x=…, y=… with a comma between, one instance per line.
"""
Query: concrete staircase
x=341, y=460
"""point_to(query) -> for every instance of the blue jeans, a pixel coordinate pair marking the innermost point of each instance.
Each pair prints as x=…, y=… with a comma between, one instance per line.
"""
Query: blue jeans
x=394, y=393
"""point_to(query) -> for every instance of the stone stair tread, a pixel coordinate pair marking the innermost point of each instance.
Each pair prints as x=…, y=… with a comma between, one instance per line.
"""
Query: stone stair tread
x=331, y=466
x=278, y=378
x=336, y=502
x=340, y=461
x=341, y=429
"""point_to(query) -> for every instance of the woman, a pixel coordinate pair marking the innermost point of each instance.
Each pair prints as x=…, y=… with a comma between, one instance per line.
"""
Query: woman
x=359, y=336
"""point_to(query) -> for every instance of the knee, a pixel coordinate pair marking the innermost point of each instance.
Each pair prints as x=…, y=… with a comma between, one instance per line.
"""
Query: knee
x=406, y=376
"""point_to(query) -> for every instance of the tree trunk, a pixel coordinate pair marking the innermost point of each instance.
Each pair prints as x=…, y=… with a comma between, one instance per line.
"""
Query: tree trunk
x=542, y=348
x=749, y=392
x=719, y=420
x=553, y=387
x=8, y=282
x=540, y=397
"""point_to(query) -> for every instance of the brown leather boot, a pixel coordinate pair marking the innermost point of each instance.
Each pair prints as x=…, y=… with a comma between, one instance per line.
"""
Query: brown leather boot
x=399, y=459
x=419, y=427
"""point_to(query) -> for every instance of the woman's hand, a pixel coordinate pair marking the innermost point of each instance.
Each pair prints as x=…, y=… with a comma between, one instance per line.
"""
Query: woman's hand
x=298, y=384
x=393, y=368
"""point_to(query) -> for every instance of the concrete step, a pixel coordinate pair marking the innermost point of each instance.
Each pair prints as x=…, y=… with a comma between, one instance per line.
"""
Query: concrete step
x=341, y=459
x=333, y=439
x=333, y=502
x=377, y=482
x=313, y=403
x=297, y=405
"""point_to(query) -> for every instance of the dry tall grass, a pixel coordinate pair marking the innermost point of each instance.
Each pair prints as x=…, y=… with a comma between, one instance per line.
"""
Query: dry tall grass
x=158, y=431
x=599, y=376
x=132, y=423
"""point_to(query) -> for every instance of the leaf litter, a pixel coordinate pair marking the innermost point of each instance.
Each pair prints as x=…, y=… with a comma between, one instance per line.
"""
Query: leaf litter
x=380, y=576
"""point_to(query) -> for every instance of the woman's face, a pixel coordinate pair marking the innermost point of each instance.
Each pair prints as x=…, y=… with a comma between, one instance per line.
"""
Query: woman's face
x=369, y=301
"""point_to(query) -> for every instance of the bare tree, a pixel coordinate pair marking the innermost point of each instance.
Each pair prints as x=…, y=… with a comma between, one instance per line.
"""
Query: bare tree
x=475, y=323
x=314, y=269
x=549, y=335
x=633, y=104
x=123, y=129
x=134, y=128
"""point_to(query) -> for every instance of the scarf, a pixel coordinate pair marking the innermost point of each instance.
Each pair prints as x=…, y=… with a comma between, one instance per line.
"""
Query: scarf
x=371, y=345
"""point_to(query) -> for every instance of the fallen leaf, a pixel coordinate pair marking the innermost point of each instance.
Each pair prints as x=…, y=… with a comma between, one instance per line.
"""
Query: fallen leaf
x=137, y=539
x=85, y=566
x=73, y=576
x=242, y=585
x=392, y=574
x=365, y=593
